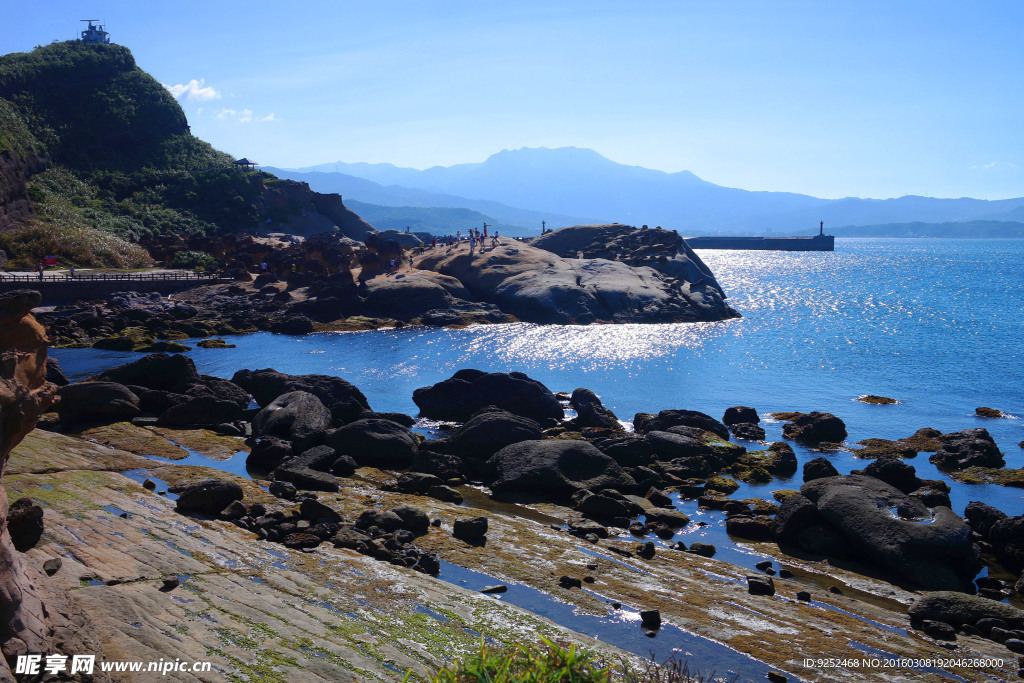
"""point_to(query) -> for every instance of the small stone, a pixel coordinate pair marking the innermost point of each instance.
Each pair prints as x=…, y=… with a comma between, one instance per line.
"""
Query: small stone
x=1015, y=645
x=283, y=489
x=803, y=595
x=500, y=588
x=764, y=565
x=785, y=574
x=938, y=630
x=52, y=566
x=776, y=677
x=616, y=605
x=569, y=582
x=835, y=589
x=702, y=549
x=589, y=579
x=650, y=619
x=149, y=484
x=760, y=585
x=592, y=566
x=169, y=584
x=469, y=530
x=646, y=550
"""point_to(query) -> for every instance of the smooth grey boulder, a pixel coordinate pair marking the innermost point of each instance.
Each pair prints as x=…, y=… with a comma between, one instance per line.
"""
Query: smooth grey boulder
x=490, y=430
x=200, y=410
x=1007, y=538
x=100, y=401
x=934, y=549
x=628, y=450
x=556, y=468
x=375, y=443
x=894, y=472
x=982, y=516
x=467, y=391
x=297, y=416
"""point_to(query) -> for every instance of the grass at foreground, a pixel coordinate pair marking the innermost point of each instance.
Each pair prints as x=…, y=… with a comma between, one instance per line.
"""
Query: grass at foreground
x=548, y=662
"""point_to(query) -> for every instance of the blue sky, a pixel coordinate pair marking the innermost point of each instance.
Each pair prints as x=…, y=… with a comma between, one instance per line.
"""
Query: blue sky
x=833, y=99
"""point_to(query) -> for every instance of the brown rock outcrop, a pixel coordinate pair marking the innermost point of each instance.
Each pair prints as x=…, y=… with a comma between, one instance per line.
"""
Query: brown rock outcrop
x=15, y=205
x=35, y=617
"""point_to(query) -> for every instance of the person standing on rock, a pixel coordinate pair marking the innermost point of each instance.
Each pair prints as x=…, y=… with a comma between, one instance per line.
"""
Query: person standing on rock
x=410, y=261
x=41, y=268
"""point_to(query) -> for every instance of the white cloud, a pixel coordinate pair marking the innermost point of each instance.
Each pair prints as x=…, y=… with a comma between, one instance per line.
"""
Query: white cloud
x=194, y=90
x=244, y=116
x=993, y=165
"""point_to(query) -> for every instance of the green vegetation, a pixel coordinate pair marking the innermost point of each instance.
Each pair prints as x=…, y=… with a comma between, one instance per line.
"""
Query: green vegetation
x=545, y=662
x=199, y=260
x=123, y=165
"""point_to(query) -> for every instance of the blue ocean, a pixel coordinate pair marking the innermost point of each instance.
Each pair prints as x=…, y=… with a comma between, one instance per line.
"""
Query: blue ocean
x=937, y=324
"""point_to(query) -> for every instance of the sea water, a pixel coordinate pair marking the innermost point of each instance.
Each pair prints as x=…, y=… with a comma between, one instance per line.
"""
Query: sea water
x=937, y=324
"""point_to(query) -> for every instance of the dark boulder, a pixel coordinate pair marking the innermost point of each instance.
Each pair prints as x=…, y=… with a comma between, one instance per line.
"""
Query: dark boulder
x=99, y=401
x=783, y=460
x=344, y=466
x=207, y=497
x=894, y=472
x=298, y=416
x=467, y=391
x=221, y=389
x=557, y=468
x=740, y=415
x=819, y=468
x=386, y=520
x=760, y=585
x=267, y=452
x=375, y=443
x=982, y=517
x=747, y=431
x=967, y=448
x=628, y=450
x=399, y=418
x=470, y=530
x=590, y=412
x=796, y=514
x=310, y=470
x=160, y=371
x=490, y=430
x=598, y=505
x=344, y=400
x=815, y=428
x=442, y=465
x=960, y=608
x=643, y=423
x=750, y=528
x=413, y=519
x=669, y=446
x=25, y=523
x=54, y=373
x=416, y=482
x=200, y=410
x=882, y=524
x=1007, y=538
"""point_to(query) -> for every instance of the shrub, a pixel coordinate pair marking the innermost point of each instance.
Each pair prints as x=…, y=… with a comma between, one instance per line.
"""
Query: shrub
x=199, y=260
x=544, y=662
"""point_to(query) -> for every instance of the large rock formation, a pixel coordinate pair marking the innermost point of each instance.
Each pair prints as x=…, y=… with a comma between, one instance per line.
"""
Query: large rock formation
x=539, y=286
x=35, y=617
x=861, y=517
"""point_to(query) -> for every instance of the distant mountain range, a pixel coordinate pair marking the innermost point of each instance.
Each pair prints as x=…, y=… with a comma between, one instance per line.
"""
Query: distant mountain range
x=569, y=185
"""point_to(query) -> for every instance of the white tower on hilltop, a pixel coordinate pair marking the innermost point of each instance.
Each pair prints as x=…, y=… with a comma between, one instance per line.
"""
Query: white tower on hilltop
x=95, y=34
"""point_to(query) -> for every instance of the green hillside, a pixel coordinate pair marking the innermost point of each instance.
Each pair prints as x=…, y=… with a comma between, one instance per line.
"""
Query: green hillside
x=123, y=165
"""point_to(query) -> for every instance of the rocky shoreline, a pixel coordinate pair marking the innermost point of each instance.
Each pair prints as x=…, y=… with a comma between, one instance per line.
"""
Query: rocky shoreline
x=513, y=490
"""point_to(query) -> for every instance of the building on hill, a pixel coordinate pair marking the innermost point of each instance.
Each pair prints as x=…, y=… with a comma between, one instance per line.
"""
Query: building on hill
x=95, y=34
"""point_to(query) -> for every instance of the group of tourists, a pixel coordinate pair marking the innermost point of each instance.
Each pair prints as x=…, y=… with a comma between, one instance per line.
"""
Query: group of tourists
x=476, y=238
